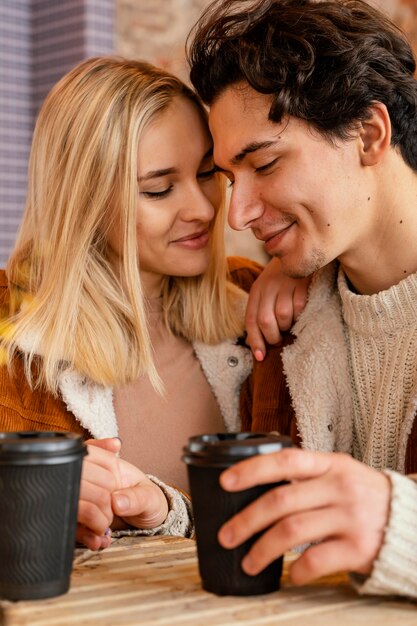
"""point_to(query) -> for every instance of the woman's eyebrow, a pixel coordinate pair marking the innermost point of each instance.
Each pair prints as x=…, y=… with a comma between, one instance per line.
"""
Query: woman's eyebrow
x=169, y=170
x=157, y=174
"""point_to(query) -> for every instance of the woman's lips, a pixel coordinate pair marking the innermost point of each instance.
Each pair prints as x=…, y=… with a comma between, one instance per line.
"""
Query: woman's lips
x=195, y=241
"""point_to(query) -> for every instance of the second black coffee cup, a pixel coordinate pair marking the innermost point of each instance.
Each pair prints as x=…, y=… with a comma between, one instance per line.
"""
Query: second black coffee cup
x=207, y=456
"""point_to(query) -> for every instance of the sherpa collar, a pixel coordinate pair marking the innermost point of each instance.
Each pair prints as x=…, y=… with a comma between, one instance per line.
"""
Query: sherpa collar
x=317, y=370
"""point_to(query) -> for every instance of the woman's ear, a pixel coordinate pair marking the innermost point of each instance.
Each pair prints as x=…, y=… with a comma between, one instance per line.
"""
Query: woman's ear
x=375, y=134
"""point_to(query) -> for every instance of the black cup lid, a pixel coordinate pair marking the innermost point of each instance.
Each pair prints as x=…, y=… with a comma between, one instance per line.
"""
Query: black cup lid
x=14, y=445
x=234, y=446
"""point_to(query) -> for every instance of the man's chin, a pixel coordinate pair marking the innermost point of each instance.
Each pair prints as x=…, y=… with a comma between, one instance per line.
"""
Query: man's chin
x=304, y=268
x=296, y=274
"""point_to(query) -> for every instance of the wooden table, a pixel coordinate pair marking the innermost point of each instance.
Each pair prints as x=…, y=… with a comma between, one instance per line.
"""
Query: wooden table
x=155, y=581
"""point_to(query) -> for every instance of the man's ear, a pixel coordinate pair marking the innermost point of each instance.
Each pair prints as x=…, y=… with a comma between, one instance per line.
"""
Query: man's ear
x=375, y=134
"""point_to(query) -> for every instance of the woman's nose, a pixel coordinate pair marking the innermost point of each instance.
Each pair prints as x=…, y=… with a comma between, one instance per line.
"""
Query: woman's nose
x=198, y=206
x=245, y=207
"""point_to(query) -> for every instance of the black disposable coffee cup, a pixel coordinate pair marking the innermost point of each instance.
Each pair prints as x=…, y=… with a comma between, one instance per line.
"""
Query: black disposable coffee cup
x=207, y=456
x=39, y=489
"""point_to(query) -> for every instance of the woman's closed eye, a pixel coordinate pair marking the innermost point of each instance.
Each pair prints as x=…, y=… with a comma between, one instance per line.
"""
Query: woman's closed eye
x=156, y=194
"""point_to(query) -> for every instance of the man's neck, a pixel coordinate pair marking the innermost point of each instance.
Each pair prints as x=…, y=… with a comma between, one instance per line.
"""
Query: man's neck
x=387, y=252
x=383, y=270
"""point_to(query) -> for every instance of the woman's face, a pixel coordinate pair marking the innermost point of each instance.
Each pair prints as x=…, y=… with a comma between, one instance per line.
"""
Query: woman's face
x=178, y=195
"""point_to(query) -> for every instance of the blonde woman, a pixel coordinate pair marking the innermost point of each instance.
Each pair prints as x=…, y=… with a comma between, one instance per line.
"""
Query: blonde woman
x=121, y=320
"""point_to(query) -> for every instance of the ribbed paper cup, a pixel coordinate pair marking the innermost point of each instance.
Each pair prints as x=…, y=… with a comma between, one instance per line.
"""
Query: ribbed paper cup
x=39, y=490
x=207, y=456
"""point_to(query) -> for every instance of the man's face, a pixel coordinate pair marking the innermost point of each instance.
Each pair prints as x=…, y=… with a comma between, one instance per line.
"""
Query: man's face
x=299, y=193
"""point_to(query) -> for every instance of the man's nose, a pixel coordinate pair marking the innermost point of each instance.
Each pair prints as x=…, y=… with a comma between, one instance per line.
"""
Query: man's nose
x=245, y=207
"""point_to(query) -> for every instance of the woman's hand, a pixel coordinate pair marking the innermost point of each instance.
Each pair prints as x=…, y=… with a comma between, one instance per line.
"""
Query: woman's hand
x=99, y=478
x=138, y=501
x=109, y=486
x=333, y=499
x=275, y=302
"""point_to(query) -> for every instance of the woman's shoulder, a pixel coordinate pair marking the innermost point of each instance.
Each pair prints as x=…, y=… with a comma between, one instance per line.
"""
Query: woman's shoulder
x=4, y=283
x=4, y=293
x=26, y=408
x=243, y=272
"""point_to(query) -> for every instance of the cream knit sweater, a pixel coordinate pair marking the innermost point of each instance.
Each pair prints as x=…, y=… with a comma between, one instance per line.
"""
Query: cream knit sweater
x=381, y=333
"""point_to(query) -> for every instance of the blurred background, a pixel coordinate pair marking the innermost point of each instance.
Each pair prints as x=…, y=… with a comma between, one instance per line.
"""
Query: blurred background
x=40, y=40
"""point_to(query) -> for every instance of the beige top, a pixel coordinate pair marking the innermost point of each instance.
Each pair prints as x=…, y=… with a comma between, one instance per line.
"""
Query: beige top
x=154, y=428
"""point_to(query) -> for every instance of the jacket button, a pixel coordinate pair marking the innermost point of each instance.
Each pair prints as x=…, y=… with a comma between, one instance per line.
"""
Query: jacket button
x=232, y=361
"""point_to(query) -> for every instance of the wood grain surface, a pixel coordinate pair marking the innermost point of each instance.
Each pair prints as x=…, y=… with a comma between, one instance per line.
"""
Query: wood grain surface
x=155, y=581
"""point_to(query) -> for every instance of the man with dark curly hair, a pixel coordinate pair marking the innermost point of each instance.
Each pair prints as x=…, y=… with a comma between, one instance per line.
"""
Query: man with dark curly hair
x=313, y=110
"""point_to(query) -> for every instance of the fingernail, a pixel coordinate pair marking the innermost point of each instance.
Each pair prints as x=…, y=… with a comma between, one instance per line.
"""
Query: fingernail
x=107, y=532
x=226, y=537
x=248, y=565
x=122, y=502
x=228, y=480
x=105, y=542
x=119, y=438
x=259, y=355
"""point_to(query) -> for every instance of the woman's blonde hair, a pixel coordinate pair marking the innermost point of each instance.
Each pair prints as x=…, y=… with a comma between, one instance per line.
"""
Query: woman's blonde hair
x=65, y=293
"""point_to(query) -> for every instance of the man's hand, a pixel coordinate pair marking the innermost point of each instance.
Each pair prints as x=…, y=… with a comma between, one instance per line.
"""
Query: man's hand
x=275, y=302
x=331, y=498
x=109, y=486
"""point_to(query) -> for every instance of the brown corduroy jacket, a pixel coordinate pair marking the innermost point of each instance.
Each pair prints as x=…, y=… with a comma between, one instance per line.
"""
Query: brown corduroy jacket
x=22, y=408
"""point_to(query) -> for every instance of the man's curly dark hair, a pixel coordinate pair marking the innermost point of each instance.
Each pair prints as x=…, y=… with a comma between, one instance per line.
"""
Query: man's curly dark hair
x=324, y=62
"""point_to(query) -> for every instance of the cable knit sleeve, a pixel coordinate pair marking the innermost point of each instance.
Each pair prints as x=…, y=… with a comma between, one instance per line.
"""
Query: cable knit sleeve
x=179, y=521
x=395, y=569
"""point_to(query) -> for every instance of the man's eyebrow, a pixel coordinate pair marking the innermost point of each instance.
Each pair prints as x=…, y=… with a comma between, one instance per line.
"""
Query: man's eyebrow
x=251, y=147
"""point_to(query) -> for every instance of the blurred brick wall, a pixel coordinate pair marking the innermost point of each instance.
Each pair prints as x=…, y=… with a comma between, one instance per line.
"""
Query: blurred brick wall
x=156, y=30
x=404, y=14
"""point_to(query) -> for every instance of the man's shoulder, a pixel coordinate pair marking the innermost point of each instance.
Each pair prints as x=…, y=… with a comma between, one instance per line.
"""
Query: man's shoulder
x=243, y=272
